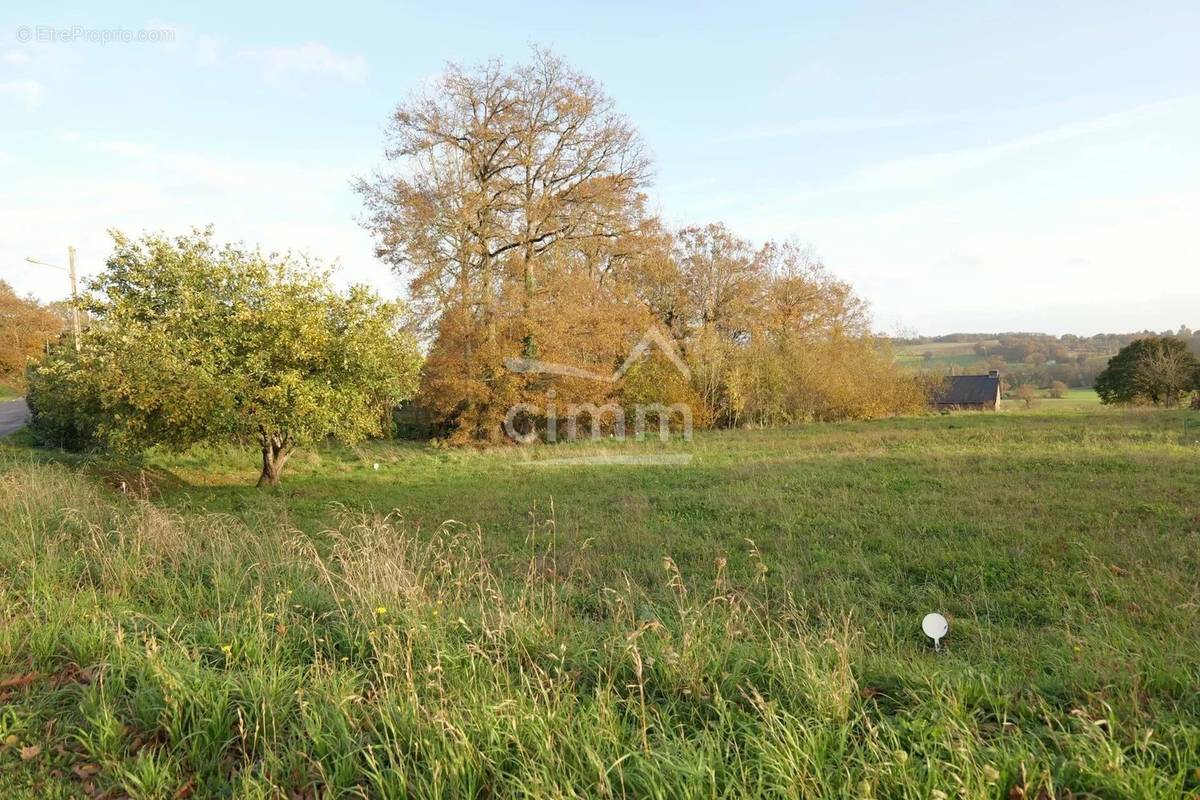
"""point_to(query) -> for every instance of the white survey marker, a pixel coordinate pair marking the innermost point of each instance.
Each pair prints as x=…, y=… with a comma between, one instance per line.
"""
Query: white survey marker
x=935, y=627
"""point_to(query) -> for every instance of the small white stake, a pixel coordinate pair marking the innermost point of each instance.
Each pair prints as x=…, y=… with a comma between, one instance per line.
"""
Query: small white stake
x=935, y=627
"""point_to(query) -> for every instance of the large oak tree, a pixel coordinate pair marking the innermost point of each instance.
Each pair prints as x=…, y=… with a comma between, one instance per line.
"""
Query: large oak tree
x=502, y=182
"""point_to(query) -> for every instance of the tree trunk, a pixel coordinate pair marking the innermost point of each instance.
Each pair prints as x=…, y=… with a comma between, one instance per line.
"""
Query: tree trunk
x=275, y=452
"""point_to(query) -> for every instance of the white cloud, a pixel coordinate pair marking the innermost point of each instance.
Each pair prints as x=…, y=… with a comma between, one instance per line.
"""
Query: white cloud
x=313, y=59
x=277, y=203
x=923, y=170
x=832, y=125
x=1079, y=227
x=16, y=58
x=26, y=90
x=209, y=50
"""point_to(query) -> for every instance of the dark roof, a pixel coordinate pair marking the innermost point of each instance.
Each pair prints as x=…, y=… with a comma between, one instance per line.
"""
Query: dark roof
x=962, y=390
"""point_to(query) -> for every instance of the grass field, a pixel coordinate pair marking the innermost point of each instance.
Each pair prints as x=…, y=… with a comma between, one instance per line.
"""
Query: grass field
x=459, y=623
x=8, y=393
x=945, y=355
x=1075, y=400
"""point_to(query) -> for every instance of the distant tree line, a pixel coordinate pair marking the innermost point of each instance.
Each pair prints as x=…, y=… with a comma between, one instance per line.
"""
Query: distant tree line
x=1044, y=342
x=1042, y=360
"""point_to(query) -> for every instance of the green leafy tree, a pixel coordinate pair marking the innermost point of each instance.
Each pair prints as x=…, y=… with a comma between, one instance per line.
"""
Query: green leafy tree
x=1156, y=369
x=193, y=343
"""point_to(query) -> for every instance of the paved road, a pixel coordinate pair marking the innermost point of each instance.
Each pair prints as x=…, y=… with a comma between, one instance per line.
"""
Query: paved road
x=13, y=414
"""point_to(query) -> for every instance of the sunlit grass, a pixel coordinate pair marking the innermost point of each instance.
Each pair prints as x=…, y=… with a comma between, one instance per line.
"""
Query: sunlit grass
x=746, y=625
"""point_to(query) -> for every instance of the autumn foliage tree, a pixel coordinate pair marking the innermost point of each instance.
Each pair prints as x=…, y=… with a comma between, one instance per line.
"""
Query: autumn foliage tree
x=193, y=342
x=26, y=328
x=513, y=202
x=511, y=183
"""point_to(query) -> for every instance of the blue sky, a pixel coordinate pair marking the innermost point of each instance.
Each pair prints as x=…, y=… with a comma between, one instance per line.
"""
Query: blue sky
x=987, y=166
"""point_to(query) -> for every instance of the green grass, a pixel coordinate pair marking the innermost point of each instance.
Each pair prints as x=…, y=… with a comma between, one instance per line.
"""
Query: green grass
x=8, y=393
x=1075, y=400
x=461, y=623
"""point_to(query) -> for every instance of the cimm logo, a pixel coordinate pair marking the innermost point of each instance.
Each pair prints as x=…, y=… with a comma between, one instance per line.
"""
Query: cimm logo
x=563, y=423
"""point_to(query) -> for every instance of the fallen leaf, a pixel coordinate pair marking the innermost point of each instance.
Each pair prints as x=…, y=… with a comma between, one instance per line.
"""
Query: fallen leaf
x=72, y=673
x=85, y=770
x=31, y=752
x=19, y=681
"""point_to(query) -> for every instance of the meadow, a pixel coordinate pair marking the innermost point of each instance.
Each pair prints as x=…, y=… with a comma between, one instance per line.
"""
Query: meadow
x=945, y=355
x=398, y=619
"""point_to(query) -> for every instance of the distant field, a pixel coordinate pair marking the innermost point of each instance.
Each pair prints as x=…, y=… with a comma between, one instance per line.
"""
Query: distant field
x=745, y=625
x=945, y=354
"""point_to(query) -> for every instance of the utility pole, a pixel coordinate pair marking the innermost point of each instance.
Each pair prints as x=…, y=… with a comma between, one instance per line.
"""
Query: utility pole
x=74, y=289
x=74, y=295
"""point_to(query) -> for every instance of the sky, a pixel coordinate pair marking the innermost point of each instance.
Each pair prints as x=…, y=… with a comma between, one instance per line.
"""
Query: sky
x=966, y=166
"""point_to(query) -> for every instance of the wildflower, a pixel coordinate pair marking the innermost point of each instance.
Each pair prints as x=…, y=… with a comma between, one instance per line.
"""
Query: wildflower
x=226, y=649
x=381, y=610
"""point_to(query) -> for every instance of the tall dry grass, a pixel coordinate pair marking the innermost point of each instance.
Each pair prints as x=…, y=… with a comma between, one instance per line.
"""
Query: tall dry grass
x=161, y=653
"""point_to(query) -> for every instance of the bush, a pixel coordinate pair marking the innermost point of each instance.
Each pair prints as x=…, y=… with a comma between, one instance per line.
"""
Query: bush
x=656, y=381
x=64, y=401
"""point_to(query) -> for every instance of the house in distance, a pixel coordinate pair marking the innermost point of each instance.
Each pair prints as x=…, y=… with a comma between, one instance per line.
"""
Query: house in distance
x=969, y=392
